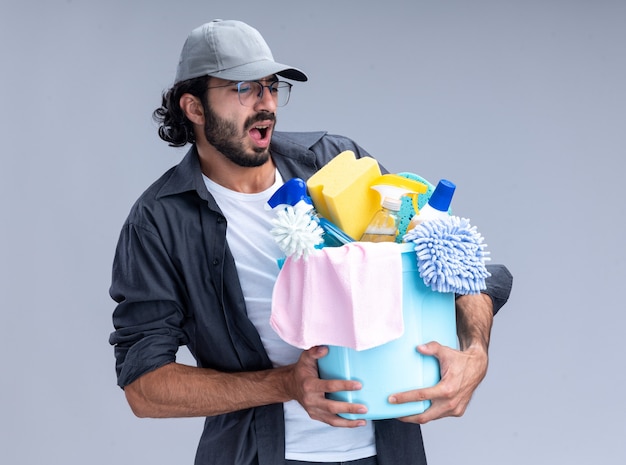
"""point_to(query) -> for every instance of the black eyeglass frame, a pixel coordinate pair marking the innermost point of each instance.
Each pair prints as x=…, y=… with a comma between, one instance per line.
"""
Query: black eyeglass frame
x=273, y=87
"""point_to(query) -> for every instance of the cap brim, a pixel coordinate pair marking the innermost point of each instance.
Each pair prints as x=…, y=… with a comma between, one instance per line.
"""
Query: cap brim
x=259, y=70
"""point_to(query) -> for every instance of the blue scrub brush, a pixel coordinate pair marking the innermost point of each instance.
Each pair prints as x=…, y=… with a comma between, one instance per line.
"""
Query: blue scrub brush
x=450, y=255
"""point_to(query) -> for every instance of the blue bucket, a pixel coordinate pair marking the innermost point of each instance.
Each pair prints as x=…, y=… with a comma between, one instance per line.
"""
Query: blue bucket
x=397, y=366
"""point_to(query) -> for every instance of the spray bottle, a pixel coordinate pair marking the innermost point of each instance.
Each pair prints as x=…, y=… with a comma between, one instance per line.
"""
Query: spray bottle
x=384, y=225
x=437, y=206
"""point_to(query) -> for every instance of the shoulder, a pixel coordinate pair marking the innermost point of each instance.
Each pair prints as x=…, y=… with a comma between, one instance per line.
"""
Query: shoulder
x=156, y=207
x=323, y=145
x=177, y=190
x=141, y=209
x=312, y=139
x=301, y=154
x=297, y=139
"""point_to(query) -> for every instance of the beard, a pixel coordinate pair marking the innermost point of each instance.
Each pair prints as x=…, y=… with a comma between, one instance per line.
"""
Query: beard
x=226, y=138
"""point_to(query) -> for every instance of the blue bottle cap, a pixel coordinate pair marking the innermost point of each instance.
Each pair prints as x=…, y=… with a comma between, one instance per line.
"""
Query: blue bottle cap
x=442, y=195
x=290, y=193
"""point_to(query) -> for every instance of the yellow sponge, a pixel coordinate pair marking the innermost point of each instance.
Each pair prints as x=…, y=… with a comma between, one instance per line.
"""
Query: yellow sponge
x=341, y=192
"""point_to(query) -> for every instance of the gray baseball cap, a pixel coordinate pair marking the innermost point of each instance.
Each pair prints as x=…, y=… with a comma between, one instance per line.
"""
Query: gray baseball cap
x=230, y=50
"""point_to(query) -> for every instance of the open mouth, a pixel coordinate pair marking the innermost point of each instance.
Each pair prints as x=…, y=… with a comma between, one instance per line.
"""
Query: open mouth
x=260, y=132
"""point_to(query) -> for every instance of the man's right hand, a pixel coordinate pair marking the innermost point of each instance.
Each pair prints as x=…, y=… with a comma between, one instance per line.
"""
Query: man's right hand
x=309, y=390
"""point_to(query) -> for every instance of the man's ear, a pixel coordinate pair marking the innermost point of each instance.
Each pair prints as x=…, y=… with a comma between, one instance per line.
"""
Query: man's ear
x=192, y=108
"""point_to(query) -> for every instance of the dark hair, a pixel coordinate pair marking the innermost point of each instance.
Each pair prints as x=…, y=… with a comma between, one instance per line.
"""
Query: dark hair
x=174, y=127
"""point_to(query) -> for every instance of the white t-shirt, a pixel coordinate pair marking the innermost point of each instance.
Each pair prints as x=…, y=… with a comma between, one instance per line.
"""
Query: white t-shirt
x=256, y=254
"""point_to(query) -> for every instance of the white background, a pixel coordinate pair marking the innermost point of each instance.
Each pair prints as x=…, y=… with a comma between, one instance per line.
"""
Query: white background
x=521, y=103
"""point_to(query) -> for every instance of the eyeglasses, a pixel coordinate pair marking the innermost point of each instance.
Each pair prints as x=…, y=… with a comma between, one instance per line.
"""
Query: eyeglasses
x=251, y=92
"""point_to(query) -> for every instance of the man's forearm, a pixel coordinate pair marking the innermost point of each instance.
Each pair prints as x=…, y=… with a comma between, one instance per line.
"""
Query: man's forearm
x=474, y=318
x=176, y=390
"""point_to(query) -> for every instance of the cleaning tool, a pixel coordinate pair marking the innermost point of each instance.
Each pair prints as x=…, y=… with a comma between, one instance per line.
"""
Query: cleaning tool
x=450, y=251
x=450, y=255
x=437, y=205
x=409, y=209
x=333, y=236
x=297, y=228
x=329, y=298
x=384, y=225
x=395, y=366
x=341, y=192
x=441, y=257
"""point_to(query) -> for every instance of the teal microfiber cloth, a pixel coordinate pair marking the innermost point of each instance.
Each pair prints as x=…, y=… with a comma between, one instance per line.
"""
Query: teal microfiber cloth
x=450, y=255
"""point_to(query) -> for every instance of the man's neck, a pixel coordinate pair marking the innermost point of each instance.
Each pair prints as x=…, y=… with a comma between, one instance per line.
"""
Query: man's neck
x=248, y=180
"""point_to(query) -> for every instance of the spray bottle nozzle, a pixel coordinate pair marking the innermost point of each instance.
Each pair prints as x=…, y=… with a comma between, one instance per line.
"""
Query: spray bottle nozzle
x=395, y=186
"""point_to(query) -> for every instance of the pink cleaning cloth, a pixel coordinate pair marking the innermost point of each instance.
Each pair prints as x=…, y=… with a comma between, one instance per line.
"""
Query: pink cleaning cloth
x=348, y=296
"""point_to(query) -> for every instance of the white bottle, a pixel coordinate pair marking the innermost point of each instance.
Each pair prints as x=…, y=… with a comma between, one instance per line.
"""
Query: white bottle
x=437, y=206
x=384, y=225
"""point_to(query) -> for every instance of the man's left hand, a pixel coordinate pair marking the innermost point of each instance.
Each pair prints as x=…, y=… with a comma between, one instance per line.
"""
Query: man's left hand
x=461, y=370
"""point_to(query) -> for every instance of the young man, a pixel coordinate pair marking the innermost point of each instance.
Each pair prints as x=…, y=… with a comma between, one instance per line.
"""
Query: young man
x=195, y=265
